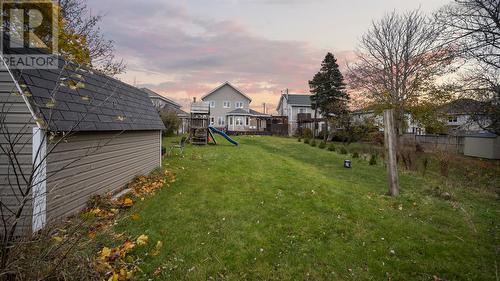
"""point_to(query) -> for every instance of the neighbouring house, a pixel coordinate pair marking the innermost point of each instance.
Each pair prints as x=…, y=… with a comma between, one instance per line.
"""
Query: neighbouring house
x=110, y=133
x=376, y=117
x=230, y=110
x=164, y=103
x=299, y=112
x=461, y=117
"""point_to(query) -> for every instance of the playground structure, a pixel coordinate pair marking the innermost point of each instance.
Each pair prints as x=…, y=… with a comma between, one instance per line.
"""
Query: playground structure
x=200, y=131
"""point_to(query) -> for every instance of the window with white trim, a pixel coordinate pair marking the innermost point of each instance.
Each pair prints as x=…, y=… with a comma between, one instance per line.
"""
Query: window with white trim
x=230, y=120
x=239, y=121
x=227, y=104
x=247, y=121
x=302, y=110
x=238, y=104
x=212, y=104
x=212, y=121
x=221, y=121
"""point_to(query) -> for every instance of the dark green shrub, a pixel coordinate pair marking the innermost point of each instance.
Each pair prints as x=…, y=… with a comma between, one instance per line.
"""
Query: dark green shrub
x=306, y=141
x=307, y=133
x=322, y=145
x=373, y=160
x=313, y=142
x=331, y=147
x=299, y=139
x=355, y=155
x=343, y=150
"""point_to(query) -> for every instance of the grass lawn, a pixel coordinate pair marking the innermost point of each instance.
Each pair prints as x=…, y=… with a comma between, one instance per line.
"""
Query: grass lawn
x=277, y=209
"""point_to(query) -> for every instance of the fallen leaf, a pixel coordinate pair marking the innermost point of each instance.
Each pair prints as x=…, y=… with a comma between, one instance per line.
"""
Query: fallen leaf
x=57, y=239
x=135, y=217
x=156, y=250
x=127, y=202
x=142, y=240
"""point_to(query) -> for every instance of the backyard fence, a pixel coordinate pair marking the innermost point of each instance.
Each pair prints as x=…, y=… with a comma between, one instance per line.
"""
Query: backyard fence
x=445, y=143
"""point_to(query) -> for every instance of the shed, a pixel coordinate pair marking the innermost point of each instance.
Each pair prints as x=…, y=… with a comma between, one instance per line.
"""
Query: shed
x=78, y=132
x=485, y=145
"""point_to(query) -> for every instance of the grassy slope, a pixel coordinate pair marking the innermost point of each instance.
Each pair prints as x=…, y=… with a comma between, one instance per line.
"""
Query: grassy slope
x=276, y=209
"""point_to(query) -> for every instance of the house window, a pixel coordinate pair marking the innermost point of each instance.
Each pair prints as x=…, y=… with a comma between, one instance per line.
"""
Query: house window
x=302, y=110
x=227, y=104
x=221, y=121
x=231, y=120
x=212, y=104
x=239, y=121
x=212, y=121
x=452, y=119
x=238, y=104
x=247, y=121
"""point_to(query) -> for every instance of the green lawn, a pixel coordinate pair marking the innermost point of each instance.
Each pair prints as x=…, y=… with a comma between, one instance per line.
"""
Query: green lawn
x=277, y=209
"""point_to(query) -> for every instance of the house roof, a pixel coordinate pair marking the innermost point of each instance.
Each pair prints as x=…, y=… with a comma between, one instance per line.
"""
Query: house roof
x=153, y=95
x=462, y=106
x=295, y=100
x=247, y=112
x=73, y=98
x=226, y=84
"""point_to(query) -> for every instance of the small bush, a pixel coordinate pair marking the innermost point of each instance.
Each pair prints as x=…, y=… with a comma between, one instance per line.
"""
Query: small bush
x=307, y=133
x=331, y=147
x=306, y=141
x=343, y=150
x=322, y=145
x=355, y=155
x=444, y=166
x=373, y=160
x=299, y=139
x=313, y=142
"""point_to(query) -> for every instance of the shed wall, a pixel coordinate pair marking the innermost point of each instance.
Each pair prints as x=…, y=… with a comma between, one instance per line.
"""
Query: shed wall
x=482, y=147
x=97, y=163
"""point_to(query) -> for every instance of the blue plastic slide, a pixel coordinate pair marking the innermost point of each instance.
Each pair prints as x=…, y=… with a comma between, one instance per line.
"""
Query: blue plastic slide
x=214, y=130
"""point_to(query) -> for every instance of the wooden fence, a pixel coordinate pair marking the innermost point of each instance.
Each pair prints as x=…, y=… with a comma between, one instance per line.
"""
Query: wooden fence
x=446, y=143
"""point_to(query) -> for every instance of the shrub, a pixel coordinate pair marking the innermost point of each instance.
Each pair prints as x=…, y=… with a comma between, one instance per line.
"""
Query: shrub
x=171, y=122
x=355, y=155
x=373, y=160
x=306, y=141
x=313, y=142
x=299, y=139
x=322, y=145
x=343, y=150
x=331, y=147
x=307, y=133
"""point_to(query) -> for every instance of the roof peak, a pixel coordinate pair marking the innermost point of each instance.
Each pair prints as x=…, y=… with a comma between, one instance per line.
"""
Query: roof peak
x=227, y=83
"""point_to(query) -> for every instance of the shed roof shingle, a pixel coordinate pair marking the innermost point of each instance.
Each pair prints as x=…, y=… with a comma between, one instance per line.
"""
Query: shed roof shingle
x=97, y=103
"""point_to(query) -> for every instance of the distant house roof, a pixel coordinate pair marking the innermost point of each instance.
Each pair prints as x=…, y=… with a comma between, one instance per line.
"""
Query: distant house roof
x=247, y=112
x=226, y=84
x=295, y=100
x=462, y=106
x=73, y=98
x=153, y=95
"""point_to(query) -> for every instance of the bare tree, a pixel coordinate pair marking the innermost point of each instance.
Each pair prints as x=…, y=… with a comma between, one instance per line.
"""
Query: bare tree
x=399, y=57
x=80, y=21
x=472, y=28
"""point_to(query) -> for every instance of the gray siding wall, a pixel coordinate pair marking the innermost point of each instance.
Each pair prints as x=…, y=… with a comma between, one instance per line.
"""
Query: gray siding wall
x=97, y=163
x=17, y=128
x=226, y=93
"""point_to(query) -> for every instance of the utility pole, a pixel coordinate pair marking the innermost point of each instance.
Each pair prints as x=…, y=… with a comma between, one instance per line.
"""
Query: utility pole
x=390, y=148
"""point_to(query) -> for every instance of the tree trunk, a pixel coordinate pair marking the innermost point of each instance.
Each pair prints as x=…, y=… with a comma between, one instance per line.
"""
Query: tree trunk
x=390, y=148
x=327, y=131
x=314, y=126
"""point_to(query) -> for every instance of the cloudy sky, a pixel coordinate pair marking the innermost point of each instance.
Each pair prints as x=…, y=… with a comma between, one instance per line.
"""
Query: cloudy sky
x=184, y=48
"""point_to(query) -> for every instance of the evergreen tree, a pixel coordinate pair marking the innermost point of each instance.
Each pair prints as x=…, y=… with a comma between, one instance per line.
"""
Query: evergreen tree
x=329, y=96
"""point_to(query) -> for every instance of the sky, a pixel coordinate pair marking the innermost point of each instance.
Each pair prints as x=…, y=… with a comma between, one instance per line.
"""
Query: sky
x=184, y=48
